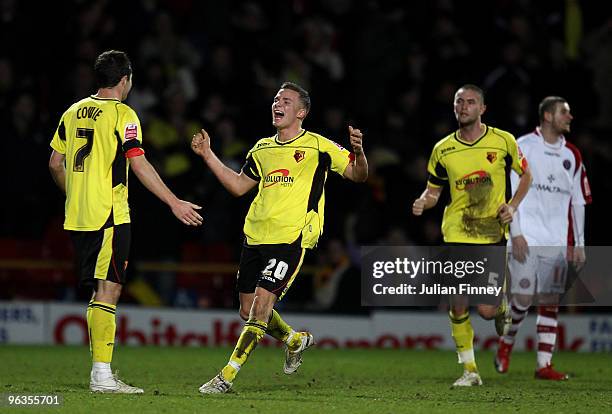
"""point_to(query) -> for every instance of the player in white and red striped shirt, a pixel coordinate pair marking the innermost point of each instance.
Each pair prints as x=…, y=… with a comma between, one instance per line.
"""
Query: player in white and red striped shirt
x=550, y=218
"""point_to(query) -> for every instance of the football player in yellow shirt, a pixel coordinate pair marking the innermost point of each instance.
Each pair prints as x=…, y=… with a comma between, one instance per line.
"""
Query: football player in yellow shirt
x=285, y=218
x=474, y=162
x=97, y=140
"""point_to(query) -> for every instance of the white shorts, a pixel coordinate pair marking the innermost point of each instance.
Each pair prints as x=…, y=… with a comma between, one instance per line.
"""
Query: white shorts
x=543, y=274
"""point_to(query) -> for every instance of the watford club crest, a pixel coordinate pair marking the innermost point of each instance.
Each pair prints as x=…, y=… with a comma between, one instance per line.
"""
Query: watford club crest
x=299, y=155
x=491, y=156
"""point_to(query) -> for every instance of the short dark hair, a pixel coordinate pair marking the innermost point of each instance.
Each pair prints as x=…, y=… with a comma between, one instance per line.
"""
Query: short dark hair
x=477, y=89
x=304, y=95
x=110, y=67
x=549, y=104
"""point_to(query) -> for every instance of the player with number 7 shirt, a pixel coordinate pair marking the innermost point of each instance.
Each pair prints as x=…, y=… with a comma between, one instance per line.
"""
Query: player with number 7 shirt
x=97, y=140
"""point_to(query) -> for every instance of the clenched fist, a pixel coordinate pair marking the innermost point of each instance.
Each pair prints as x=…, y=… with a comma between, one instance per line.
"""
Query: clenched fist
x=200, y=143
x=356, y=139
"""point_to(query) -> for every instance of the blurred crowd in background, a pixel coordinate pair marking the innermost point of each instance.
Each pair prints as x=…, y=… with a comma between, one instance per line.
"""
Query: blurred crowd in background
x=388, y=67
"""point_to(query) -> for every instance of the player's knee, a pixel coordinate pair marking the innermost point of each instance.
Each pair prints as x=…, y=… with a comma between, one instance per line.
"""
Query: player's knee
x=458, y=310
x=244, y=314
x=524, y=301
x=487, y=311
x=108, y=292
x=262, y=308
x=548, y=299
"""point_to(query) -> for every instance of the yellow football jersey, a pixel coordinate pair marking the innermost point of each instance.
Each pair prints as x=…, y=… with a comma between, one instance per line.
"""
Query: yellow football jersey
x=290, y=199
x=97, y=136
x=477, y=174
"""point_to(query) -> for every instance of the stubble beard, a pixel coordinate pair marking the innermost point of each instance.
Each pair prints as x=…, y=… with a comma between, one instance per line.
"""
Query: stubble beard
x=467, y=123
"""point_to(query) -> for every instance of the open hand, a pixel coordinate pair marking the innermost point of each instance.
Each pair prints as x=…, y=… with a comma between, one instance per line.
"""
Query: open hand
x=186, y=213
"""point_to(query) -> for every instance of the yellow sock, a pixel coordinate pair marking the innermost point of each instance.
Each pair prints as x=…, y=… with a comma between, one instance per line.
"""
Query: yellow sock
x=101, y=323
x=278, y=328
x=463, y=334
x=295, y=340
x=251, y=334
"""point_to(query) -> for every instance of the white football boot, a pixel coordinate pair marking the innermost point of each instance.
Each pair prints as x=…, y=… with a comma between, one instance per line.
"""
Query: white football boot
x=468, y=379
x=217, y=385
x=104, y=383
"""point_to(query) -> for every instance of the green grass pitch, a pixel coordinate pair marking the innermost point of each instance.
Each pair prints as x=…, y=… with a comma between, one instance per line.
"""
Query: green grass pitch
x=329, y=381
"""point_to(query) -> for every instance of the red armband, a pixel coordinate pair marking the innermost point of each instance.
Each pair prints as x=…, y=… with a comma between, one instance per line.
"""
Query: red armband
x=134, y=152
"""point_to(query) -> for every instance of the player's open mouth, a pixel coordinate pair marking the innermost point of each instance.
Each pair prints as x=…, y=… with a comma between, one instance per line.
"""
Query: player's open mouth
x=278, y=115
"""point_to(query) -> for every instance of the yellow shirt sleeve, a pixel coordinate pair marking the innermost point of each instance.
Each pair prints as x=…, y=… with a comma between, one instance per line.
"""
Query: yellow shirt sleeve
x=340, y=156
x=58, y=143
x=519, y=162
x=128, y=124
x=438, y=176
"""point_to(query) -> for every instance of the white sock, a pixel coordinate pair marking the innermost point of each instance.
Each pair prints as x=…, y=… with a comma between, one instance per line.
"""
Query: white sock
x=102, y=369
x=466, y=356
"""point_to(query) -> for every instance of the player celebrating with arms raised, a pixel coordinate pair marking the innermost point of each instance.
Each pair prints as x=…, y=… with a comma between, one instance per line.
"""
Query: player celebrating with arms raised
x=477, y=213
x=285, y=218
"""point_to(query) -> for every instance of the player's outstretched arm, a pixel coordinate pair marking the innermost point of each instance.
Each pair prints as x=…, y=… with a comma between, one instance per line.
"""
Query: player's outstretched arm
x=505, y=212
x=357, y=170
x=427, y=200
x=183, y=210
x=58, y=169
x=236, y=183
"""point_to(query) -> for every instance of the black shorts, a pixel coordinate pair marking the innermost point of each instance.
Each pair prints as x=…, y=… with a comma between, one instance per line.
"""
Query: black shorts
x=102, y=254
x=490, y=257
x=272, y=267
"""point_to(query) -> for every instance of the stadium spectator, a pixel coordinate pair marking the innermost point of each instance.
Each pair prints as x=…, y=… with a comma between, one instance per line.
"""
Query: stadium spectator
x=597, y=47
x=336, y=284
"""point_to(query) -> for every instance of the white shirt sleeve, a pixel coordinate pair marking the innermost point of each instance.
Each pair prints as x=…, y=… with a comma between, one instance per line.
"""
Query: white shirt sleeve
x=578, y=223
x=578, y=197
x=515, y=225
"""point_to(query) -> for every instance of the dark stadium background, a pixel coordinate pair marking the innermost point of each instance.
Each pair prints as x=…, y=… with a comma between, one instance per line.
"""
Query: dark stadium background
x=387, y=67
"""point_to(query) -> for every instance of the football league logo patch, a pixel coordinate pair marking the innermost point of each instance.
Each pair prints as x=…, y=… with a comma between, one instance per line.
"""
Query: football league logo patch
x=299, y=155
x=567, y=164
x=491, y=156
x=338, y=145
x=131, y=131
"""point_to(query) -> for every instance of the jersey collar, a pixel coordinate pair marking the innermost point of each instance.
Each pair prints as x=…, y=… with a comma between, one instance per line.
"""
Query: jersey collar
x=557, y=146
x=301, y=134
x=471, y=144
x=97, y=98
